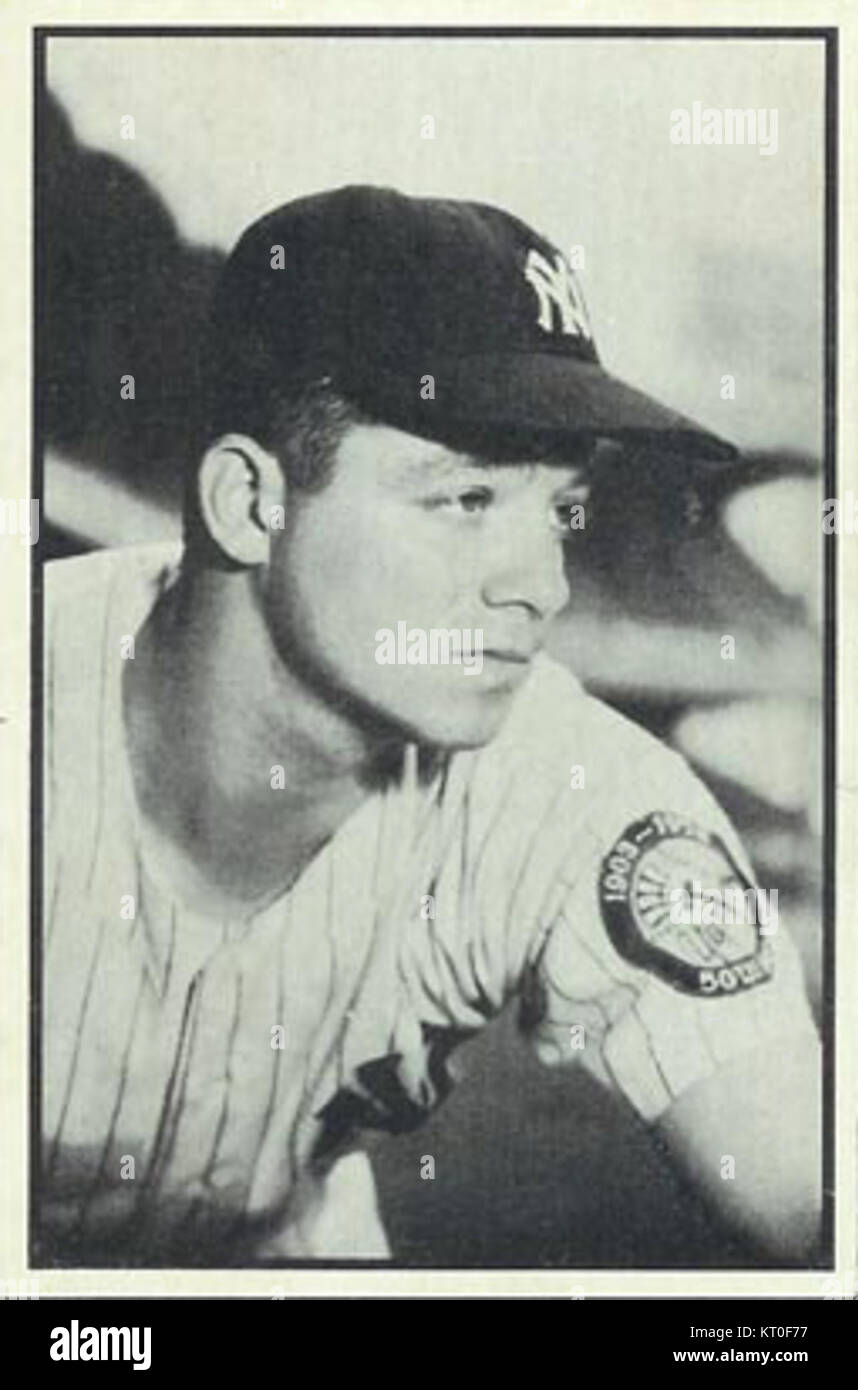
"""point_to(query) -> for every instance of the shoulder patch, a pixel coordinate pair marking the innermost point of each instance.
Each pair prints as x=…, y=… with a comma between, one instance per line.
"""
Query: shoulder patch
x=675, y=903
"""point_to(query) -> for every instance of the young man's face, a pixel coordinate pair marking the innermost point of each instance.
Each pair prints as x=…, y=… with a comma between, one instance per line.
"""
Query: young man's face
x=410, y=537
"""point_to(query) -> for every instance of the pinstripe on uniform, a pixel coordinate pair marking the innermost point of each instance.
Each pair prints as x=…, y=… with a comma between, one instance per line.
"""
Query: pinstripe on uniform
x=157, y=1030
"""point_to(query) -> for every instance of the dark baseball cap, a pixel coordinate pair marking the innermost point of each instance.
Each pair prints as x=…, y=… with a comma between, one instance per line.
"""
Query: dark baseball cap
x=443, y=317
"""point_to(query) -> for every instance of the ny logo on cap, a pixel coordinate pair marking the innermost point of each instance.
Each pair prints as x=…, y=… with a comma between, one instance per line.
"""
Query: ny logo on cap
x=556, y=288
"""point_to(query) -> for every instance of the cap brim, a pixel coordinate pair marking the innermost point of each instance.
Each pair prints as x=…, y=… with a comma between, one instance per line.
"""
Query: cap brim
x=539, y=394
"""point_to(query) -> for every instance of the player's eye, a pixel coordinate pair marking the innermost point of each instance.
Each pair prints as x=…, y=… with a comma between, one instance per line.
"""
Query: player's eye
x=570, y=513
x=466, y=501
x=474, y=499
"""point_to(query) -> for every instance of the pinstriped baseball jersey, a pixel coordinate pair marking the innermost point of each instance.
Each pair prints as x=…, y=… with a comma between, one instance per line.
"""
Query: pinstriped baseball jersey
x=194, y=1068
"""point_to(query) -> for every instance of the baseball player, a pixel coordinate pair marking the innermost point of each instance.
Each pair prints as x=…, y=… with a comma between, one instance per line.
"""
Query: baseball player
x=285, y=877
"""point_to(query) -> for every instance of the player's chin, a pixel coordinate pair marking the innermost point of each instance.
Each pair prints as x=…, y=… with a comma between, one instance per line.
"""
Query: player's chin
x=455, y=714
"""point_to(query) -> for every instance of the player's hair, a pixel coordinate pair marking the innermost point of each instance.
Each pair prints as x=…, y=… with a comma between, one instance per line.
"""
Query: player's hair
x=302, y=426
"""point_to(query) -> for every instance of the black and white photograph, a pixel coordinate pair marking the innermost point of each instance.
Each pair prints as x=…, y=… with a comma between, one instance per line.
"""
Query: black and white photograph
x=433, y=650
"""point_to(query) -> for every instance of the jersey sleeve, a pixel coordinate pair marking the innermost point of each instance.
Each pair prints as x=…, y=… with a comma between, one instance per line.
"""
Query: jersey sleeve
x=663, y=959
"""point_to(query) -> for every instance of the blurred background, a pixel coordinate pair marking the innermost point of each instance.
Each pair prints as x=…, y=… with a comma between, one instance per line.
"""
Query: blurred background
x=699, y=263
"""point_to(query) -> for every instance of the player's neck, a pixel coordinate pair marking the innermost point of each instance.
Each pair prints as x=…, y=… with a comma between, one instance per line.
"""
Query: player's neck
x=237, y=765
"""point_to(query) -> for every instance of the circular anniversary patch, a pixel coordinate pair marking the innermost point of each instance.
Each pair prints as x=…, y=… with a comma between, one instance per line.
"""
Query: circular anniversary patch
x=675, y=903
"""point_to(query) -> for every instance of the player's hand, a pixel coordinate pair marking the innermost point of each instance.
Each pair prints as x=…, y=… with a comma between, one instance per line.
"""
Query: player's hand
x=335, y=1217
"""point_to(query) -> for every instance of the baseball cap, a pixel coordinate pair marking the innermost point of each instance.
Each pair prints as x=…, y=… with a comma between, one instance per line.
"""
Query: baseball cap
x=444, y=317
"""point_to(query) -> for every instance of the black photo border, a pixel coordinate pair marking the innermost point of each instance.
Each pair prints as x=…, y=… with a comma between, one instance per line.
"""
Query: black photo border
x=828, y=36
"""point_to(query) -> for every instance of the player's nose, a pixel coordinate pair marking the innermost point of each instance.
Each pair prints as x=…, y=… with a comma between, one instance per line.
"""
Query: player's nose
x=530, y=575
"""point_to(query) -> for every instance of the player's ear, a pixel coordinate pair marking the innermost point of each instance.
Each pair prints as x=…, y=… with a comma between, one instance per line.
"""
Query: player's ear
x=239, y=485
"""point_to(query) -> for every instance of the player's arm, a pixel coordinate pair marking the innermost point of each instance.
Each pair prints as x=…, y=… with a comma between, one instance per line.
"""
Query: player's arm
x=704, y=1027
x=748, y=1137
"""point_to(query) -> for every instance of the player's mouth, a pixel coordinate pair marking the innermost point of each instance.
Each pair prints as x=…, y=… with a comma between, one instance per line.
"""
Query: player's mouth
x=511, y=655
x=505, y=668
